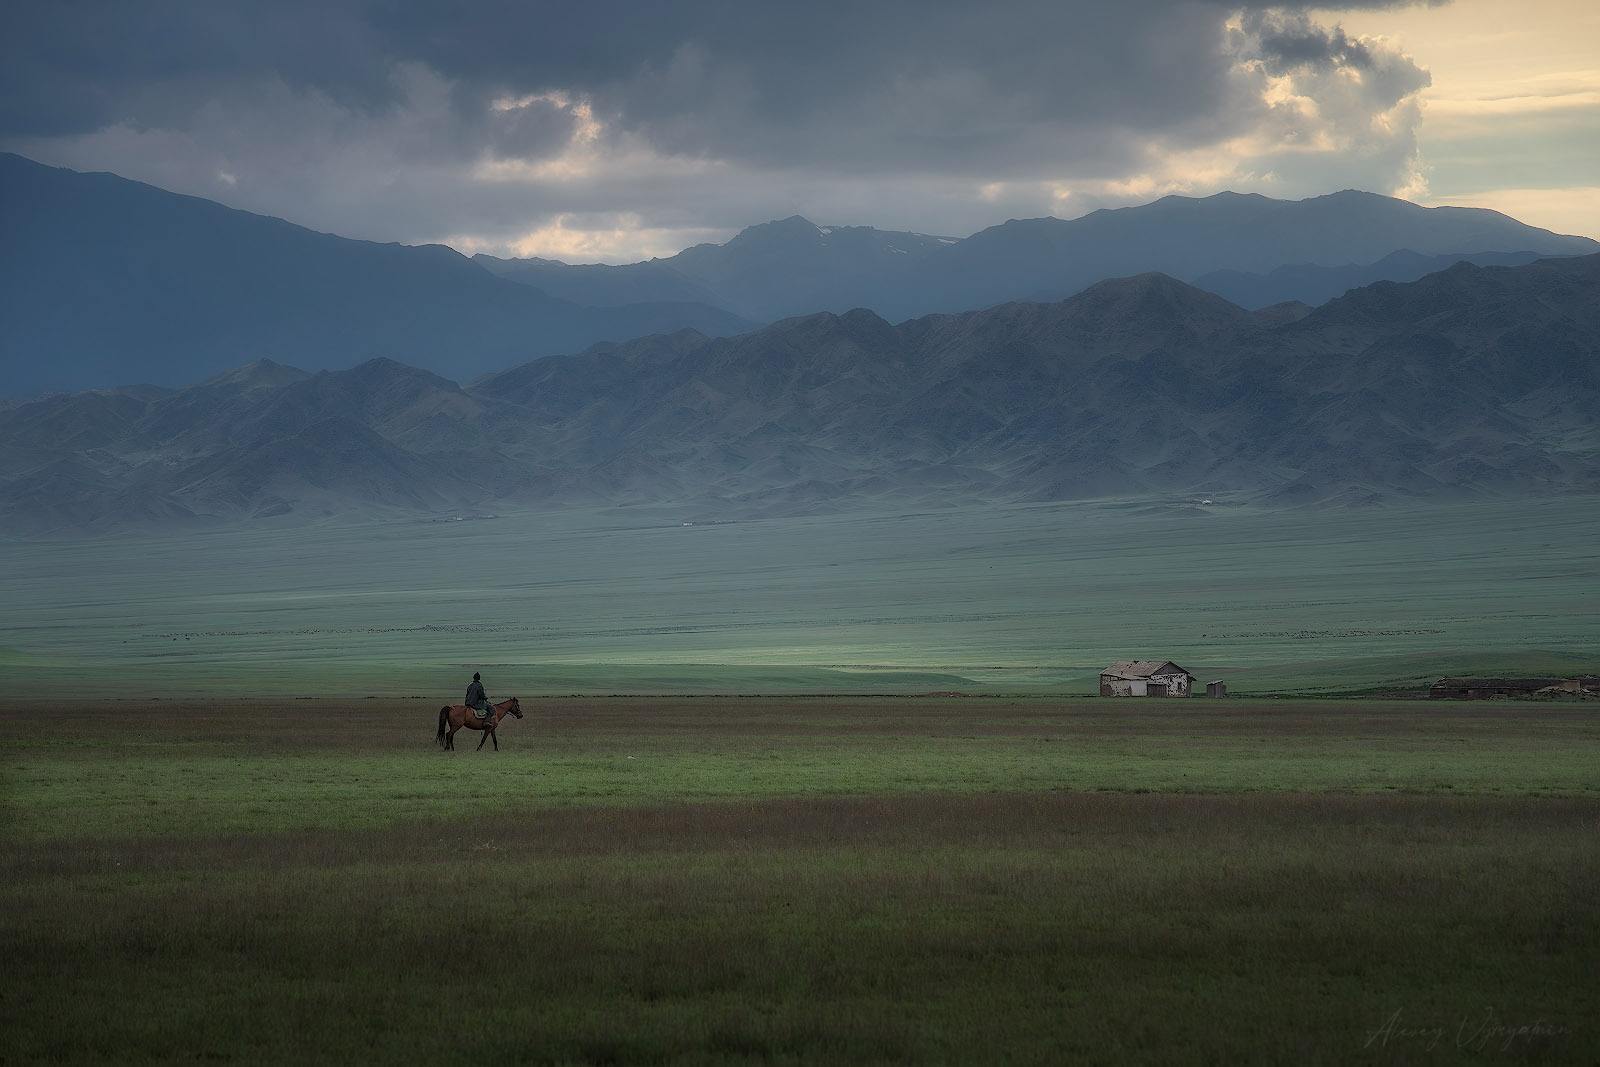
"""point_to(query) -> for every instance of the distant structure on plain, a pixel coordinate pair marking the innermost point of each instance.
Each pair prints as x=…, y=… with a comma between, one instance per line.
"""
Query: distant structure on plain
x=1146, y=678
x=1584, y=685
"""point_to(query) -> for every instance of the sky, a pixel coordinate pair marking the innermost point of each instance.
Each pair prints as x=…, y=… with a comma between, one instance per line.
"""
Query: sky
x=617, y=130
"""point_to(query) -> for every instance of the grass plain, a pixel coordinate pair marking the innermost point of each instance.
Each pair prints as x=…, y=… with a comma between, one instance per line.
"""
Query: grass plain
x=200, y=862
x=803, y=880
x=1020, y=599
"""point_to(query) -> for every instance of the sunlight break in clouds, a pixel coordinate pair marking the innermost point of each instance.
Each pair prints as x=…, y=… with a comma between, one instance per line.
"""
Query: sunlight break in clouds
x=562, y=130
x=1333, y=104
x=1313, y=105
x=588, y=239
x=577, y=159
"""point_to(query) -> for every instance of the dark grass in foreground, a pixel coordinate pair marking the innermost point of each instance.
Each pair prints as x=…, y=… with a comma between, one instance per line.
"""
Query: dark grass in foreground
x=924, y=925
x=143, y=769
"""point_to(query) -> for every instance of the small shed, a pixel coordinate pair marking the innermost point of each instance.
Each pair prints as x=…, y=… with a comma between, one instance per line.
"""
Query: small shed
x=1216, y=689
x=1145, y=678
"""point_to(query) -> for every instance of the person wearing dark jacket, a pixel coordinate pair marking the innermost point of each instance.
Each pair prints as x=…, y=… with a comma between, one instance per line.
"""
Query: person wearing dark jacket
x=477, y=700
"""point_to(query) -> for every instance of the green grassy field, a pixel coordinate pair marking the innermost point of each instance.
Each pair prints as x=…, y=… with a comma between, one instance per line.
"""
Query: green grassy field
x=802, y=880
x=1023, y=599
x=200, y=863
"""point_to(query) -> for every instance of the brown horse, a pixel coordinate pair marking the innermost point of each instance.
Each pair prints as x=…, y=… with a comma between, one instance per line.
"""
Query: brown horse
x=460, y=715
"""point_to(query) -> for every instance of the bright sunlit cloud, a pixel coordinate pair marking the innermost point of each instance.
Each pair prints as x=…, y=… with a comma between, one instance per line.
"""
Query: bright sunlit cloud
x=1511, y=120
x=574, y=239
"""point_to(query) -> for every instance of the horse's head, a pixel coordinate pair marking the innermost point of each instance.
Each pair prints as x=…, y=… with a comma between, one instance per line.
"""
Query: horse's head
x=515, y=708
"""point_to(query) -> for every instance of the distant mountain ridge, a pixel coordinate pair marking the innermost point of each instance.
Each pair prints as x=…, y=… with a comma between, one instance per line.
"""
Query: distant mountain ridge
x=1311, y=284
x=773, y=270
x=106, y=281
x=793, y=267
x=1476, y=381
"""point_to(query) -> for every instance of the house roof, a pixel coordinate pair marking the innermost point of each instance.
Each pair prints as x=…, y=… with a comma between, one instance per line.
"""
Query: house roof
x=1144, y=668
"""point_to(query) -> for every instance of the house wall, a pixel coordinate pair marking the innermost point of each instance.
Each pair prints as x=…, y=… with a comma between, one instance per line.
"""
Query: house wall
x=1110, y=686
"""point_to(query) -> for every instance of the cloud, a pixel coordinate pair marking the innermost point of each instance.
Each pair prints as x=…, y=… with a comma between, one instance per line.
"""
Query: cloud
x=1288, y=42
x=1326, y=104
x=496, y=121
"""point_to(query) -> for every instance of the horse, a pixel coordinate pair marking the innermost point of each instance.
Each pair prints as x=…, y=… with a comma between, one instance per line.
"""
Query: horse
x=460, y=715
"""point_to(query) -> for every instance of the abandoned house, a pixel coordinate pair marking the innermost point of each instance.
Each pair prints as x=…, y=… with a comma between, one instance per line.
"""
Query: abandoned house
x=1145, y=678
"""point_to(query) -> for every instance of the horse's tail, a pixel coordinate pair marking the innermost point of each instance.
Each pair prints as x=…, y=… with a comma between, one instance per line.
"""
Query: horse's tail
x=444, y=714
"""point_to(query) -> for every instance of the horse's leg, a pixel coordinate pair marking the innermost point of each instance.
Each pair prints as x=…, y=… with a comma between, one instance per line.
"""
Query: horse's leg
x=487, y=733
x=495, y=736
x=450, y=739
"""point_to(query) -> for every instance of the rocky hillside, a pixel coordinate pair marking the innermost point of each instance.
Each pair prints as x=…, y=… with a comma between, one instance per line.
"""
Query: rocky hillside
x=1470, y=381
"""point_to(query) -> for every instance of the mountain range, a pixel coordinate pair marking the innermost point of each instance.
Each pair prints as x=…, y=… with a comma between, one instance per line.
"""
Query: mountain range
x=1249, y=248
x=1471, y=380
x=106, y=282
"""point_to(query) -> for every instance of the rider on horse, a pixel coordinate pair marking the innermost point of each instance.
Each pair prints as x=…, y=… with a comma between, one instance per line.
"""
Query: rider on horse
x=477, y=700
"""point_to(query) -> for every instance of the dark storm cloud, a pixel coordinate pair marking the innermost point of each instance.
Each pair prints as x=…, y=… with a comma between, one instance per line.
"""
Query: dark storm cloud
x=376, y=117
x=873, y=78
x=70, y=67
x=729, y=78
x=530, y=130
x=1296, y=41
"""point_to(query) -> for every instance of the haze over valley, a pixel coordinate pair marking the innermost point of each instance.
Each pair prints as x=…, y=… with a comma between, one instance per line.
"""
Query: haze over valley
x=1305, y=494
x=1210, y=378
